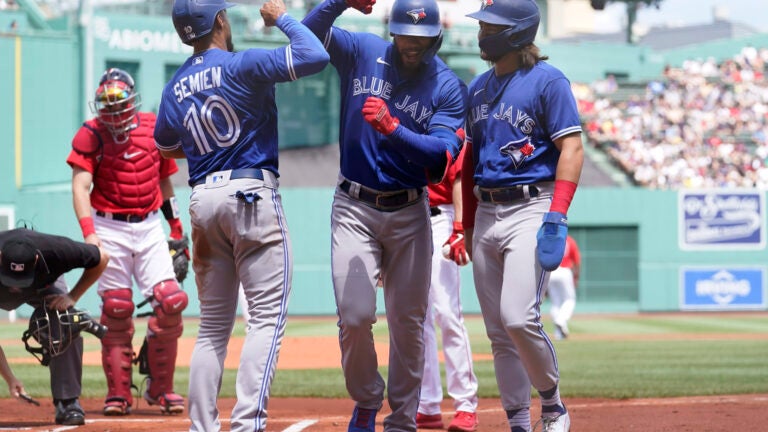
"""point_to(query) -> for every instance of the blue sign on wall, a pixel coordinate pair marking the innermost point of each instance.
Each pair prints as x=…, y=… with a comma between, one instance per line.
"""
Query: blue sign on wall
x=722, y=288
x=721, y=219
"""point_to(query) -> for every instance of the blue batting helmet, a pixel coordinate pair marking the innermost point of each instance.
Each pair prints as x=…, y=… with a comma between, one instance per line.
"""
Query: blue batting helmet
x=521, y=16
x=415, y=18
x=194, y=19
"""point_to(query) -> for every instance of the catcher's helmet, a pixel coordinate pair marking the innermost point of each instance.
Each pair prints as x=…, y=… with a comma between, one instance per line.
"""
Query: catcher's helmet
x=521, y=16
x=194, y=19
x=116, y=102
x=55, y=331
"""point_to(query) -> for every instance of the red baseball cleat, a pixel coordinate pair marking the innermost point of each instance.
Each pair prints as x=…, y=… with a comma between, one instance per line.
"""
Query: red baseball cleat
x=429, y=421
x=464, y=421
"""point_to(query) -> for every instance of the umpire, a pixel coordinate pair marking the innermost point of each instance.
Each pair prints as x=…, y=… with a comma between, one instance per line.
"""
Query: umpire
x=32, y=265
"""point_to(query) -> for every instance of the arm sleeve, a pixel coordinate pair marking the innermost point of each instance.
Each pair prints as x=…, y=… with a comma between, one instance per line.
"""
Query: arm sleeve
x=85, y=149
x=321, y=18
x=168, y=167
x=305, y=55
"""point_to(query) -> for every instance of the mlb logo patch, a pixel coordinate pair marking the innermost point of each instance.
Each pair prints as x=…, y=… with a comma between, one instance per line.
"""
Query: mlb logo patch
x=485, y=3
x=417, y=15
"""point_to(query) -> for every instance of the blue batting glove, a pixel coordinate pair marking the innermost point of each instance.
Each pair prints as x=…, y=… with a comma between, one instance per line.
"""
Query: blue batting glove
x=550, y=240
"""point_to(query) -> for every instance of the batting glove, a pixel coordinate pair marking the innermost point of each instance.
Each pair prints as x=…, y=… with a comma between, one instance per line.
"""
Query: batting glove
x=550, y=240
x=455, y=249
x=376, y=113
x=364, y=6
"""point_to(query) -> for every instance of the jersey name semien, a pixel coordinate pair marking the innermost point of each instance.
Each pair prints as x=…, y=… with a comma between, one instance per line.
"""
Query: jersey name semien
x=205, y=79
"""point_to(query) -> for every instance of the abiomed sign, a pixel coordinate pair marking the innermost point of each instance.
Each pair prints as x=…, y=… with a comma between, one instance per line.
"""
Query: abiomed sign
x=734, y=288
x=724, y=219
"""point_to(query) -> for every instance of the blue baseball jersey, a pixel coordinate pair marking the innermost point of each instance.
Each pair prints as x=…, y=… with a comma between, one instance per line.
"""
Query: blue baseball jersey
x=513, y=121
x=430, y=103
x=220, y=106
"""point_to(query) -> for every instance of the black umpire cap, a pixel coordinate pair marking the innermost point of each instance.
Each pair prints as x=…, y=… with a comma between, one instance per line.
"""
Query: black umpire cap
x=18, y=259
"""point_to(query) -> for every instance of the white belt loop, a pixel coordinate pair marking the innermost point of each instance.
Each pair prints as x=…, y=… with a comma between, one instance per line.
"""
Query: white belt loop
x=526, y=192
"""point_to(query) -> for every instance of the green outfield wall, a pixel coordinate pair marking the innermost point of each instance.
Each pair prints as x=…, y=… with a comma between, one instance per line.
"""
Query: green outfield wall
x=629, y=239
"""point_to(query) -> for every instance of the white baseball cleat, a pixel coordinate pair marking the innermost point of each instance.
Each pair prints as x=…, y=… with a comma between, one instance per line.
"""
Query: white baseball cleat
x=561, y=423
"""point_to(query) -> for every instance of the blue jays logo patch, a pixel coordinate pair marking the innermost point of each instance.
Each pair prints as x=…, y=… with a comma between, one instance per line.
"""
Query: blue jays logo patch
x=417, y=15
x=485, y=4
x=518, y=151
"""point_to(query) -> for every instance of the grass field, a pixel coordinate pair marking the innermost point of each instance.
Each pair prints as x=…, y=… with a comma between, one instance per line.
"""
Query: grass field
x=608, y=356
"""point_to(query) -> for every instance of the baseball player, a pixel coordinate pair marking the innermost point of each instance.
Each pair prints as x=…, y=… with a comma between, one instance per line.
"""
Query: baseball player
x=562, y=288
x=400, y=109
x=445, y=311
x=523, y=163
x=32, y=265
x=219, y=112
x=120, y=186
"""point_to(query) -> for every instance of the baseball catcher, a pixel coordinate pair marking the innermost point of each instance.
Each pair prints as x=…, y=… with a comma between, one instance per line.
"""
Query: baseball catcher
x=121, y=186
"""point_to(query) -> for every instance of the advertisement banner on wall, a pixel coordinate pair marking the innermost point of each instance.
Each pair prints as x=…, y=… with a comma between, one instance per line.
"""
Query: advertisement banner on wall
x=734, y=288
x=725, y=219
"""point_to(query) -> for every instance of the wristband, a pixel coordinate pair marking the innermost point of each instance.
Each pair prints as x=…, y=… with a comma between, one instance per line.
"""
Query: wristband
x=86, y=226
x=458, y=226
x=562, y=196
x=170, y=208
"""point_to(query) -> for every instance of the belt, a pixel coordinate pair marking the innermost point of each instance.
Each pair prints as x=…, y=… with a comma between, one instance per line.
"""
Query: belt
x=240, y=173
x=125, y=217
x=434, y=211
x=508, y=195
x=392, y=200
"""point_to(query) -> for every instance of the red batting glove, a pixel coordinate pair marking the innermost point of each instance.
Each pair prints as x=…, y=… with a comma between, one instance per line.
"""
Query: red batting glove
x=376, y=113
x=364, y=6
x=454, y=249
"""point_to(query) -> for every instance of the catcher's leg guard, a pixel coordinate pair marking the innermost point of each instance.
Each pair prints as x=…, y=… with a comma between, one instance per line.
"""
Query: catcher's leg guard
x=165, y=328
x=117, y=349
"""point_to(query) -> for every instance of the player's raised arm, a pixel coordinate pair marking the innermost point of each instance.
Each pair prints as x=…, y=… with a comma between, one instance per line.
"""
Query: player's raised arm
x=305, y=54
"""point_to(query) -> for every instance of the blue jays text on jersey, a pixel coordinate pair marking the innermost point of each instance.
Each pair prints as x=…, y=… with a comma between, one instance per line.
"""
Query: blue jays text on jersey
x=431, y=106
x=514, y=131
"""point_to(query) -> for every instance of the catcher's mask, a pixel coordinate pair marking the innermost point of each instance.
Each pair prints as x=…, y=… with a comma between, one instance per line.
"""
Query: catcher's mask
x=55, y=330
x=116, y=103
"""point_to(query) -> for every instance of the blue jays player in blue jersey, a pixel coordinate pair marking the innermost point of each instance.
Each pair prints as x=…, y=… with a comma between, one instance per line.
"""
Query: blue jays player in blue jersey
x=218, y=111
x=400, y=109
x=523, y=162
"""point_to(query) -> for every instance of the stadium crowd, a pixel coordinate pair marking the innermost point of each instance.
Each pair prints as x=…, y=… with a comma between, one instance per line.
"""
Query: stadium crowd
x=702, y=125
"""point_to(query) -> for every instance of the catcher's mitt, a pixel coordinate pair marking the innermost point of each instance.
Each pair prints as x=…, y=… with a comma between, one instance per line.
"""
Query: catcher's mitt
x=179, y=250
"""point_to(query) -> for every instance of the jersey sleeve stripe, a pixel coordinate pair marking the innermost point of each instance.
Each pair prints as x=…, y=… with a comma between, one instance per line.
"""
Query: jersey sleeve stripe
x=566, y=131
x=289, y=63
x=327, y=39
x=173, y=146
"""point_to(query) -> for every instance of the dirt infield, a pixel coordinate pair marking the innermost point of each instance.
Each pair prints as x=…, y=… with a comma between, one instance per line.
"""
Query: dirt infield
x=699, y=414
x=745, y=413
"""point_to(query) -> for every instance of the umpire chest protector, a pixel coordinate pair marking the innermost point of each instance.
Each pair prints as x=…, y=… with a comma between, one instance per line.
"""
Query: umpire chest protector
x=127, y=173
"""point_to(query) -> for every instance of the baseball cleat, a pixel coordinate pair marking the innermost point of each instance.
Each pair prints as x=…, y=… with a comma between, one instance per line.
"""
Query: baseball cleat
x=464, y=421
x=170, y=403
x=429, y=421
x=363, y=420
x=560, y=423
x=116, y=407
